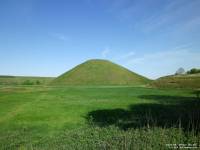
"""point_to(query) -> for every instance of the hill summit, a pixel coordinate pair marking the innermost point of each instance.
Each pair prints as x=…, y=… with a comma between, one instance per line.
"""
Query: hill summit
x=99, y=72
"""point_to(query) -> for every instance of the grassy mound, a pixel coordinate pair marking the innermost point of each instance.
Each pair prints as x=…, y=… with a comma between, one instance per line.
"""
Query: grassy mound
x=178, y=81
x=100, y=72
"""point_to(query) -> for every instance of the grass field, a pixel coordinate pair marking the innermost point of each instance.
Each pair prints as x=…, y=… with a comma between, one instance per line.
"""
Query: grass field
x=190, y=81
x=24, y=80
x=97, y=117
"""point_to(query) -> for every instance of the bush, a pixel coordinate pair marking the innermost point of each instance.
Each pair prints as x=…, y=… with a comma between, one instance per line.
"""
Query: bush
x=197, y=93
x=28, y=82
x=193, y=71
x=38, y=82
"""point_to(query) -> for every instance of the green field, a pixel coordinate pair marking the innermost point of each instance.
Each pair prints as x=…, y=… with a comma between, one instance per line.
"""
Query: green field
x=189, y=81
x=24, y=80
x=96, y=117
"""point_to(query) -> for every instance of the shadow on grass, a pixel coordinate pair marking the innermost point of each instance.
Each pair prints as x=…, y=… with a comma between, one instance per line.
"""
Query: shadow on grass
x=163, y=111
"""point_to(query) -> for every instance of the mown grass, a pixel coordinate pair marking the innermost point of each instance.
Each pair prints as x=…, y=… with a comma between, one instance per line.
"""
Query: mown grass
x=98, y=117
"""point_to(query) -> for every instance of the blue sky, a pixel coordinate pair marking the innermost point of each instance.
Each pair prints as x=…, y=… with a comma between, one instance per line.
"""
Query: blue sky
x=48, y=37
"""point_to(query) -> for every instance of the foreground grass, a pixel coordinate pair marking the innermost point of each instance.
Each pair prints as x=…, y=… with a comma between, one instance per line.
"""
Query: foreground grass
x=42, y=117
x=105, y=138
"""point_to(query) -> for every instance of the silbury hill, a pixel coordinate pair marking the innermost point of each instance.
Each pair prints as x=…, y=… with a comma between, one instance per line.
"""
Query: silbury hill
x=100, y=72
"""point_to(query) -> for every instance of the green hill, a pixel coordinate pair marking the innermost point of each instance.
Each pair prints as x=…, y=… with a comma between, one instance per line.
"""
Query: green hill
x=99, y=72
x=178, y=81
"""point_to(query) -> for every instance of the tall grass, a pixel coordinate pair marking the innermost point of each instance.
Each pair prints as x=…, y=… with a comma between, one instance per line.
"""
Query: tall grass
x=108, y=138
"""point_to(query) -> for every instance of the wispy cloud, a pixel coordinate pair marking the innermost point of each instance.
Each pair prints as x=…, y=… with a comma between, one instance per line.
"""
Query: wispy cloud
x=174, y=15
x=124, y=56
x=163, y=63
x=160, y=58
x=59, y=36
x=147, y=17
x=105, y=52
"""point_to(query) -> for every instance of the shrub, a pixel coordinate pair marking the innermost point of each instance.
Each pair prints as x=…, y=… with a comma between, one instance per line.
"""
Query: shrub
x=197, y=93
x=38, y=82
x=28, y=82
x=193, y=71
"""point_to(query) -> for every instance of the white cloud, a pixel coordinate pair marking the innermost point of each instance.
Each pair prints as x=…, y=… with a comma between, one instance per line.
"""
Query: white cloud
x=125, y=56
x=171, y=16
x=59, y=36
x=163, y=63
x=105, y=52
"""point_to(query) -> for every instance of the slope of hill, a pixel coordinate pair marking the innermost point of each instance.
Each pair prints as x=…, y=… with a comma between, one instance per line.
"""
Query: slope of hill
x=178, y=81
x=99, y=72
x=24, y=80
